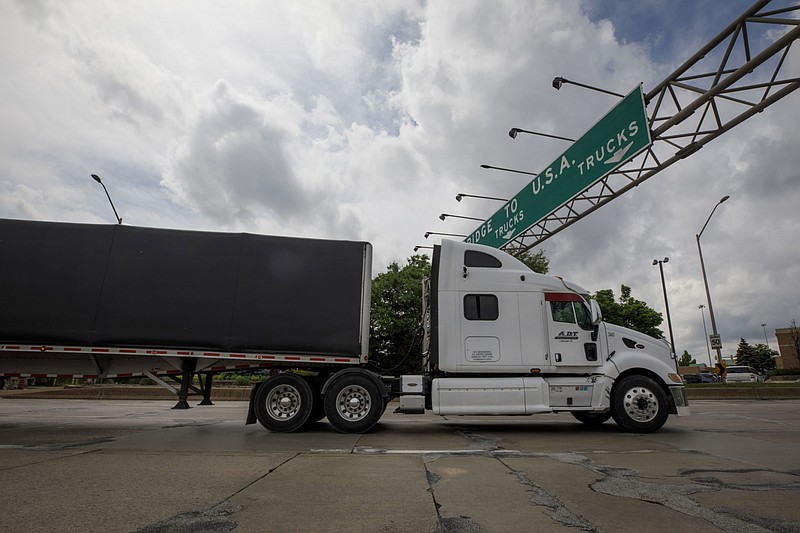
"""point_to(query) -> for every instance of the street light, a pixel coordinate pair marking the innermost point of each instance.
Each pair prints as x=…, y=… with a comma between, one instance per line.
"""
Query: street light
x=445, y=215
x=717, y=348
x=705, y=332
x=514, y=131
x=461, y=195
x=418, y=247
x=98, y=180
x=558, y=82
x=660, y=264
x=428, y=233
x=509, y=170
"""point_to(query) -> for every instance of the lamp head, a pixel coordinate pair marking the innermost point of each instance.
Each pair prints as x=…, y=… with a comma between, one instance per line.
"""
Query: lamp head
x=427, y=234
x=96, y=178
x=513, y=133
x=442, y=216
x=724, y=198
x=416, y=248
x=459, y=197
x=666, y=259
x=558, y=82
x=655, y=262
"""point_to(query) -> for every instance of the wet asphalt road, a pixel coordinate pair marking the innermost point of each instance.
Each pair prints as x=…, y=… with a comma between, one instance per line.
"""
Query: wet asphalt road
x=82, y=465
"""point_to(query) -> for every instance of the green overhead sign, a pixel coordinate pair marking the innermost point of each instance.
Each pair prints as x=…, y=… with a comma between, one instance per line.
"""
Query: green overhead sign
x=615, y=139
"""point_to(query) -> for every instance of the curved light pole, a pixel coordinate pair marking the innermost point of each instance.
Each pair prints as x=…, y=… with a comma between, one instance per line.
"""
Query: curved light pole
x=705, y=332
x=462, y=195
x=445, y=215
x=717, y=348
x=765, y=334
x=96, y=178
x=660, y=263
x=429, y=233
x=514, y=131
x=510, y=170
x=558, y=82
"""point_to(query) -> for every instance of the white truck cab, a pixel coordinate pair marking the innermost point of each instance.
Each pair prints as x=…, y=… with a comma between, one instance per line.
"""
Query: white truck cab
x=507, y=341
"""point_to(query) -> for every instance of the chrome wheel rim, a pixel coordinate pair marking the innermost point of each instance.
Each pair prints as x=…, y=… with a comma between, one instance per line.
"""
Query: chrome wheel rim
x=641, y=404
x=353, y=402
x=283, y=402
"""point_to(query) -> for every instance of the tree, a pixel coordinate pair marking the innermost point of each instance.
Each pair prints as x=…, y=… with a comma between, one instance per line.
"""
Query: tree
x=537, y=262
x=396, y=313
x=686, y=359
x=629, y=312
x=761, y=357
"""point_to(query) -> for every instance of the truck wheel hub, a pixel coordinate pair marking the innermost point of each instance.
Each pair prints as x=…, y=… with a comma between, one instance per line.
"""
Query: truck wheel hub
x=641, y=404
x=354, y=402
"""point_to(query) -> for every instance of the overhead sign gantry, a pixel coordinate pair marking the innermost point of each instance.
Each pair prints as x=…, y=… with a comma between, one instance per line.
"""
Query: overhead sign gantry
x=739, y=73
x=614, y=140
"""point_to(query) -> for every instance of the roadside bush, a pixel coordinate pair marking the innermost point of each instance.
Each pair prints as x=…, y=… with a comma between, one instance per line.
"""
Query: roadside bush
x=241, y=381
x=786, y=372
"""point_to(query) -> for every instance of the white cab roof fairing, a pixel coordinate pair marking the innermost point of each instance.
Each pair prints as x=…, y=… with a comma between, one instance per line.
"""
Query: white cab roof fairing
x=451, y=268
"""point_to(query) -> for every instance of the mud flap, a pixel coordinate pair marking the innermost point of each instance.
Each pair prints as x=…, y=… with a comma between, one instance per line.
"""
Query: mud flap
x=251, y=411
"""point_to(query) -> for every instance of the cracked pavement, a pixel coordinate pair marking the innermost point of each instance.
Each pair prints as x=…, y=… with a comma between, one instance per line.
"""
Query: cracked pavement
x=733, y=466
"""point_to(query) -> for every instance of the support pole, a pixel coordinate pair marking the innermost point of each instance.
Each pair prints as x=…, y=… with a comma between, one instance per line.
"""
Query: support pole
x=188, y=365
x=207, y=389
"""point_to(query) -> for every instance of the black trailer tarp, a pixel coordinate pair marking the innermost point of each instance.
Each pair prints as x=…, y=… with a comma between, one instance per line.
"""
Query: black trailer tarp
x=102, y=285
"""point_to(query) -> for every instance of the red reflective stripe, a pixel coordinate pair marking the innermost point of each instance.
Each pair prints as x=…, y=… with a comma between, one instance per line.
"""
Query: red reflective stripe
x=562, y=297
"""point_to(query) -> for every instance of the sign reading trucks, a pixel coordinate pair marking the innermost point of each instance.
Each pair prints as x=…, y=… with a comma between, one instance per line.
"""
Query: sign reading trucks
x=616, y=138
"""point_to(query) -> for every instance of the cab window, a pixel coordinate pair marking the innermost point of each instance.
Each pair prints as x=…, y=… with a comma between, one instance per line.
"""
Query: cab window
x=563, y=312
x=572, y=313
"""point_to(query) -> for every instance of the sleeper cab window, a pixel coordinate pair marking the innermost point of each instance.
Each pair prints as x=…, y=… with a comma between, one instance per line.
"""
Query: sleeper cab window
x=481, y=307
x=477, y=259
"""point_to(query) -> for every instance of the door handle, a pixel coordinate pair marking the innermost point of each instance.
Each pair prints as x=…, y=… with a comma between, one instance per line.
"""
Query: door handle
x=558, y=357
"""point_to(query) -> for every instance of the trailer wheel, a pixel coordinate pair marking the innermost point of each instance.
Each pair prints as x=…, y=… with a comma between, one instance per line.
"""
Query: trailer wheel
x=639, y=404
x=591, y=419
x=353, y=403
x=284, y=403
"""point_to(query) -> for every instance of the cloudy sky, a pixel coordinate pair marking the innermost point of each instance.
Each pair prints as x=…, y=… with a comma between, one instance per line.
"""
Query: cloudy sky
x=362, y=120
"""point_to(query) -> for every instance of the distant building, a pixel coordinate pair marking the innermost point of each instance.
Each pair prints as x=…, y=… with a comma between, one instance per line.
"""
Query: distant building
x=788, y=346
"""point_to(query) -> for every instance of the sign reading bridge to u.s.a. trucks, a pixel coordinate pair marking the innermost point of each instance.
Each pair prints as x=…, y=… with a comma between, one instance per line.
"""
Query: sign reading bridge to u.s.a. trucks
x=616, y=138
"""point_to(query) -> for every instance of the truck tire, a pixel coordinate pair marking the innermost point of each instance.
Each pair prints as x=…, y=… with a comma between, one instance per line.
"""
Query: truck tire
x=353, y=403
x=284, y=403
x=639, y=404
x=591, y=419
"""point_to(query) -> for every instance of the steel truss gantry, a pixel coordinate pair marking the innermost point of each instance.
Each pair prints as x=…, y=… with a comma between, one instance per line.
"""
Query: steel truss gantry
x=694, y=105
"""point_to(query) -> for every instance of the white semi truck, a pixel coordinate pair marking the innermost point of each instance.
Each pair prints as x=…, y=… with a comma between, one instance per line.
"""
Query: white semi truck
x=116, y=301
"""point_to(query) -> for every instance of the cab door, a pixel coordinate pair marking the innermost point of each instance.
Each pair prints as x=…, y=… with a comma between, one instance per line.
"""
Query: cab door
x=569, y=331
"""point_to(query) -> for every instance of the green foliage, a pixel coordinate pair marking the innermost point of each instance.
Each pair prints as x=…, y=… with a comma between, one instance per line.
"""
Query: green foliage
x=241, y=381
x=759, y=356
x=786, y=372
x=686, y=359
x=629, y=312
x=537, y=262
x=396, y=312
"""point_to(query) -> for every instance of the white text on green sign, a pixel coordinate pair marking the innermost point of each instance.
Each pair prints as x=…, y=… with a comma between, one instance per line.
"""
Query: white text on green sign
x=616, y=138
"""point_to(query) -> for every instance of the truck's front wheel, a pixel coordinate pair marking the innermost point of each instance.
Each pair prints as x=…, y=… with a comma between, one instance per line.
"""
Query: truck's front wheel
x=284, y=403
x=353, y=403
x=639, y=404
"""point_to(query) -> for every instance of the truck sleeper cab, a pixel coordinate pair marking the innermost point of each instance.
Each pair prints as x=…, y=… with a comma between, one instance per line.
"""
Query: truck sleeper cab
x=508, y=341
